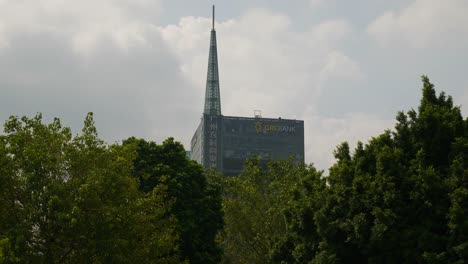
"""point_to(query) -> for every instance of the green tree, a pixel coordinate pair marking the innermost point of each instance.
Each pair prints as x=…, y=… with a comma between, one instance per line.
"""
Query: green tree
x=388, y=203
x=457, y=249
x=301, y=242
x=197, y=200
x=257, y=207
x=67, y=199
x=401, y=198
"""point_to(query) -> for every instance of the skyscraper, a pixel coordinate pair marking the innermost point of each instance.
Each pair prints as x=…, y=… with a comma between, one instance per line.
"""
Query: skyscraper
x=225, y=142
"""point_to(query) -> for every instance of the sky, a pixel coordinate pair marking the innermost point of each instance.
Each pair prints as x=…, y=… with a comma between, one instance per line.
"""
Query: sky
x=344, y=67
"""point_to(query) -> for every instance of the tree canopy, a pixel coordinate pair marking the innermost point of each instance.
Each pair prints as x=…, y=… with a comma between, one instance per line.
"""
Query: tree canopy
x=197, y=200
x=66, y=199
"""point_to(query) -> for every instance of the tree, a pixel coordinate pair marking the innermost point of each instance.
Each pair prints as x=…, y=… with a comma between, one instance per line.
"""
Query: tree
x=401, y=198
x=258, y=204
x=389, y=201
x=67, y=199
x=197, y=200
x=457, y=249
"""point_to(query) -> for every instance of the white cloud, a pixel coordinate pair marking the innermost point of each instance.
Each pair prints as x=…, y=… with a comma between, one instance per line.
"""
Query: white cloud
x=320, y=4
x=66, y=58
x=316, y=3
x=424, y=23
x=341, y=67
x=323, y=134
x=84, y=22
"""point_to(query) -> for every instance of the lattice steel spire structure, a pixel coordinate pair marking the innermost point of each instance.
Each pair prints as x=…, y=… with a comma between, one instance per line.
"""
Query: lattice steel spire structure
x=212, y=95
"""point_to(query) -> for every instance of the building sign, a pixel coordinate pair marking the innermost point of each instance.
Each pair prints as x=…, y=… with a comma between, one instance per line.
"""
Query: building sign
x=265, y=128
x=212, y=142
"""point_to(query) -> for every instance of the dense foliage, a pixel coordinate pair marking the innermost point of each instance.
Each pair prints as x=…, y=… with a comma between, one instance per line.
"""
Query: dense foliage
x=254, y=205
x=197, y=205
x=402, y=198
x=66, y=199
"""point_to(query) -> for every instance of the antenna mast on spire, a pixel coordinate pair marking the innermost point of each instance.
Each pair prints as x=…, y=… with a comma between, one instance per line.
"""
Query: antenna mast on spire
x=213, y=17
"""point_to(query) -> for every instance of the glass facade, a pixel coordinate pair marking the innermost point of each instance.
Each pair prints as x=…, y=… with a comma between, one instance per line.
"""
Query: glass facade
x=228, y=141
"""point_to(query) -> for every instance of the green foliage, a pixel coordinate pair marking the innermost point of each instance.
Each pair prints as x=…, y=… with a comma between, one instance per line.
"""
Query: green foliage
x=197, y=199
x=67, y=199
x=401, y=198
x=256, y=207
x=389, y=201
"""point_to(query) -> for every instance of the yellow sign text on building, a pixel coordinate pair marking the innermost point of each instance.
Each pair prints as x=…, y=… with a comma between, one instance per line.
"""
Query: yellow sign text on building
x=265, y=128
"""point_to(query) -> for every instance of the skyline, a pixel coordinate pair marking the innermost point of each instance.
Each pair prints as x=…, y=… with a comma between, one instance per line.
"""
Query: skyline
x=140, y=66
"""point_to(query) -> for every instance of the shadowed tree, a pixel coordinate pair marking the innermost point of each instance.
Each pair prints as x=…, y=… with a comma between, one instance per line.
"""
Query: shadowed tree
x=401, y=198
x=197, y=201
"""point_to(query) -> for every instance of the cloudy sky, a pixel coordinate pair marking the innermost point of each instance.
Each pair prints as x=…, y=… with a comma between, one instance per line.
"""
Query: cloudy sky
x=345, y=67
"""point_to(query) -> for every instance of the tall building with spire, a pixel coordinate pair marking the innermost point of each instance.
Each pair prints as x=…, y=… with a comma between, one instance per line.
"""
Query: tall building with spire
x=225, y=142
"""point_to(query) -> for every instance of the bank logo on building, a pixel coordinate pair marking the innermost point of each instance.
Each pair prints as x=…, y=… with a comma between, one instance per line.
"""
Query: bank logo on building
x=266, y=128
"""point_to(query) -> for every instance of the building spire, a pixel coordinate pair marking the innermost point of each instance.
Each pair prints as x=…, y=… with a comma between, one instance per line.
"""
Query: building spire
x=212, y=95
x=213, y=18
